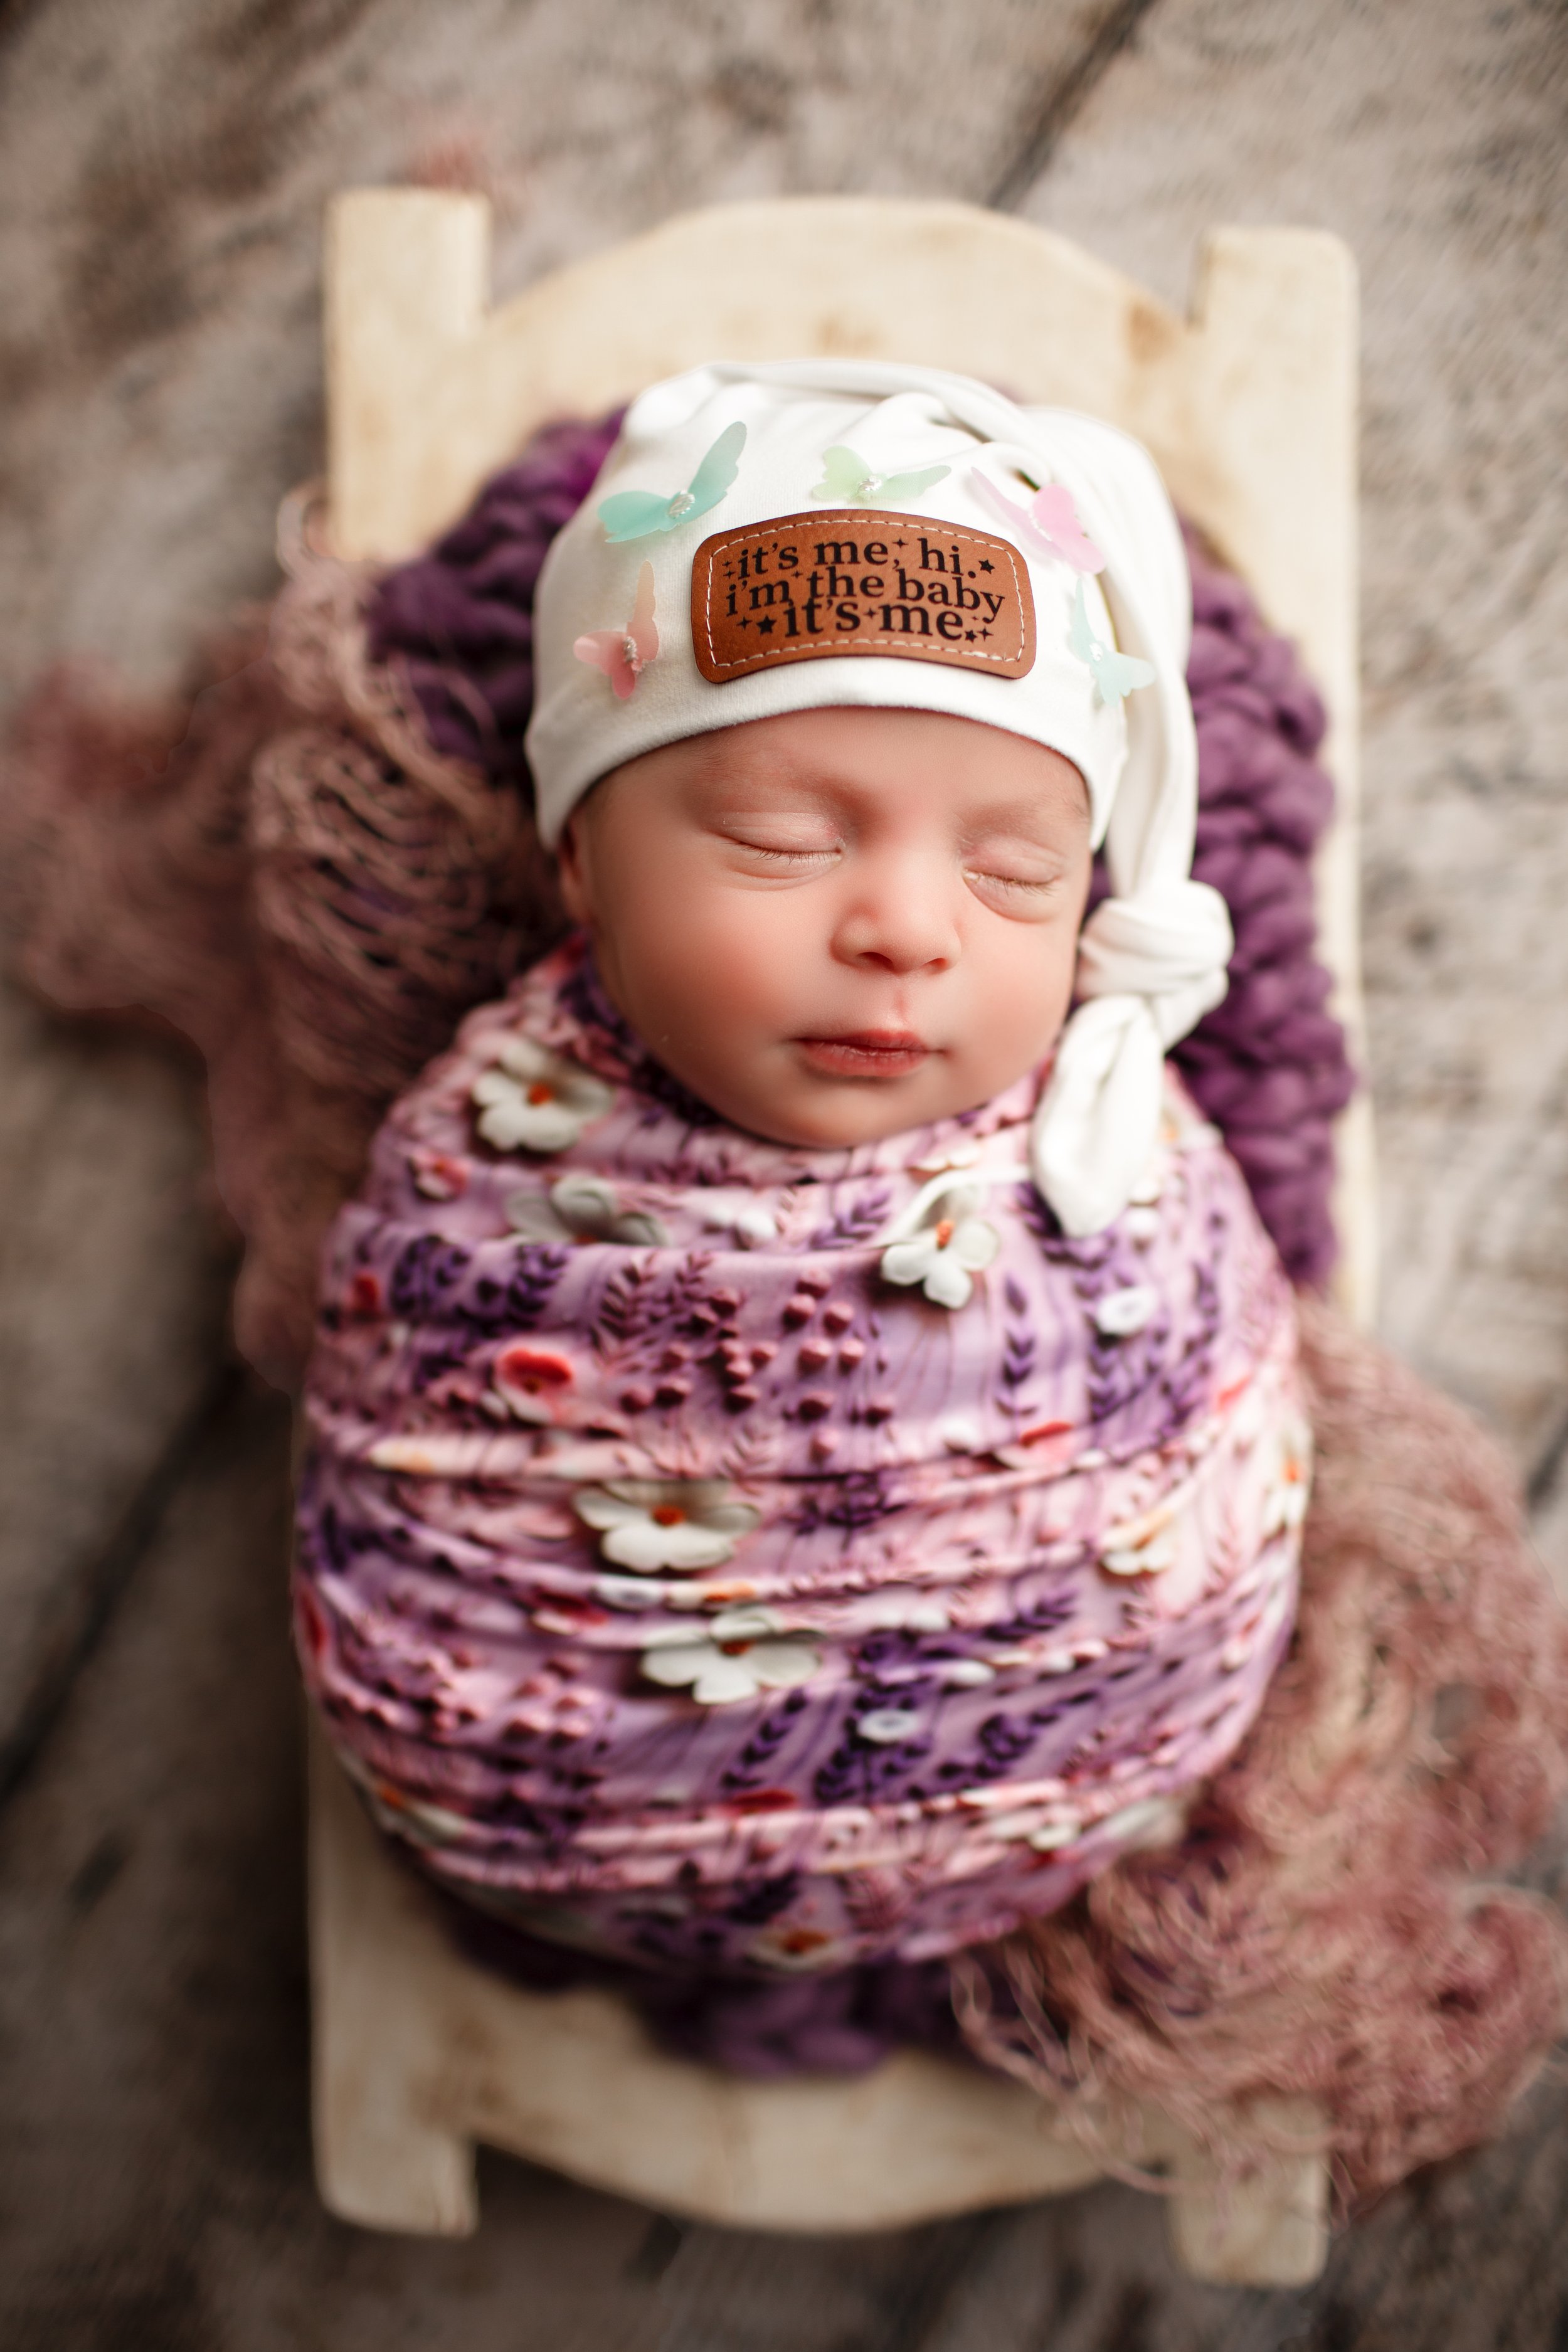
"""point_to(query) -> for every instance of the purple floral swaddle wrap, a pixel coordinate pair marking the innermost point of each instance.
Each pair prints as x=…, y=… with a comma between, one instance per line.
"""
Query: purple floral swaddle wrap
x=728, y=1557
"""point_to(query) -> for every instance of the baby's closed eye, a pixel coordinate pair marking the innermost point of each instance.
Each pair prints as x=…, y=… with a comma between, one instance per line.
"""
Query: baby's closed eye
x=1018, y=877
x=781, y=842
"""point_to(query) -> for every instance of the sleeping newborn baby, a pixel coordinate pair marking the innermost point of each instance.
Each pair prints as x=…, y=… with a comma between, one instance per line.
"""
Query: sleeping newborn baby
x=806, y=1464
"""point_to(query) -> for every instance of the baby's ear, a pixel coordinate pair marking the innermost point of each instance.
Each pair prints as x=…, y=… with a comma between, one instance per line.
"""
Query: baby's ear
x=570, y=870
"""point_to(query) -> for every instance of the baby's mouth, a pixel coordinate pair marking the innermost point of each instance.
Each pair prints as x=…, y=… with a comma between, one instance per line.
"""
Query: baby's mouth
x=866, y=1054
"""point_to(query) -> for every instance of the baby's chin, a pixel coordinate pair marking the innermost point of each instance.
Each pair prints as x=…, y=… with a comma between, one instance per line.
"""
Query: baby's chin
x=835, y=1115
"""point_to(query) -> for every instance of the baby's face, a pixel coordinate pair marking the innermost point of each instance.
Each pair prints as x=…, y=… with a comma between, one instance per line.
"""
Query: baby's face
x=838, y=924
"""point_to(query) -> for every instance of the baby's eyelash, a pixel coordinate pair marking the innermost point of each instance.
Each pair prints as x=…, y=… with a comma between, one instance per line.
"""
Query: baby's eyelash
x=1013, y=881
x=784, y=856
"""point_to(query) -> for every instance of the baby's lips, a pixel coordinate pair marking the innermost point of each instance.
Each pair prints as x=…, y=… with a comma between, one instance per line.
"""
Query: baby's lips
x=890, y=1034
x=872, y=1053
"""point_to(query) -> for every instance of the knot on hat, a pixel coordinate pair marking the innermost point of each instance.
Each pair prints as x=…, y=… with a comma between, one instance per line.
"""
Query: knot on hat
x=1168, y=943
x=1150, y=966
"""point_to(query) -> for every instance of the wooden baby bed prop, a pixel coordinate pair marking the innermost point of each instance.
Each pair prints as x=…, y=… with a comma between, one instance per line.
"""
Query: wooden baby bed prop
x=1249, y=408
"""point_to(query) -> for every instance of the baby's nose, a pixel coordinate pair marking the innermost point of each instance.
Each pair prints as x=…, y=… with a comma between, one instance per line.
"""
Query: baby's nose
x=906, y=925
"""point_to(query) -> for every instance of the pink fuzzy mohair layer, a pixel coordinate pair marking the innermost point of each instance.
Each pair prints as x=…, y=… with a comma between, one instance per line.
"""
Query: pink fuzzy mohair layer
x=1336, y=1922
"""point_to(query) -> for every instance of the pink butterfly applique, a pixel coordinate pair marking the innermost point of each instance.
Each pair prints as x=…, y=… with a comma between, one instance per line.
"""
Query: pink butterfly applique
x=1050, y=519
x=624, y=653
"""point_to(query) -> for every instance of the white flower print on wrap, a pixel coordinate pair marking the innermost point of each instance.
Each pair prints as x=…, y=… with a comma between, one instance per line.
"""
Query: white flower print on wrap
x=947, y=1250
x=583, y=1208
x=649, y=1526
x=744, y=1653
x=534, y=1101
x=1291, y=1481
x=750, y=1219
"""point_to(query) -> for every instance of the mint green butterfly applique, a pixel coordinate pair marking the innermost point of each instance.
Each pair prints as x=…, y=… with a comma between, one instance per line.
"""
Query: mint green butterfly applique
x=637, y=514
x=850, y=481
x=1115, y=674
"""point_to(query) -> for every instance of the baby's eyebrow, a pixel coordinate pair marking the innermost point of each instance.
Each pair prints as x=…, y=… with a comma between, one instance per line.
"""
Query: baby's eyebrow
x=770, y=793
x=1029, y=818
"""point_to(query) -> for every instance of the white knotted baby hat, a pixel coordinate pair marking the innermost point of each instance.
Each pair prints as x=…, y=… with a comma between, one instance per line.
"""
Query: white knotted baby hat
x=899, y=464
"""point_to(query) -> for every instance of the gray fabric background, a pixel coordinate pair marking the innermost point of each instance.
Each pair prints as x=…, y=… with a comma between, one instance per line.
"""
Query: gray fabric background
x=163, y=166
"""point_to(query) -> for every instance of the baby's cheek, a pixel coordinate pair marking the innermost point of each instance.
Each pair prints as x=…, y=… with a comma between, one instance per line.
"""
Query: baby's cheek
x=718, y=987
x=749, y=956
x=1022, y=986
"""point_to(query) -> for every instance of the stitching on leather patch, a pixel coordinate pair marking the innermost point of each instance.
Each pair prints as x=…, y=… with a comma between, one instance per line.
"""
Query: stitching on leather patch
x=846, y=581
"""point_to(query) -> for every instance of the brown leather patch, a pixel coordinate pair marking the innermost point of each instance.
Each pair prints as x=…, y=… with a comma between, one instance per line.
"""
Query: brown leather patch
x=855, y=580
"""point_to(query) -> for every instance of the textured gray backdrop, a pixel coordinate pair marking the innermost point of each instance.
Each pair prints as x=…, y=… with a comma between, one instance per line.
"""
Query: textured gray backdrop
x=163, y=166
